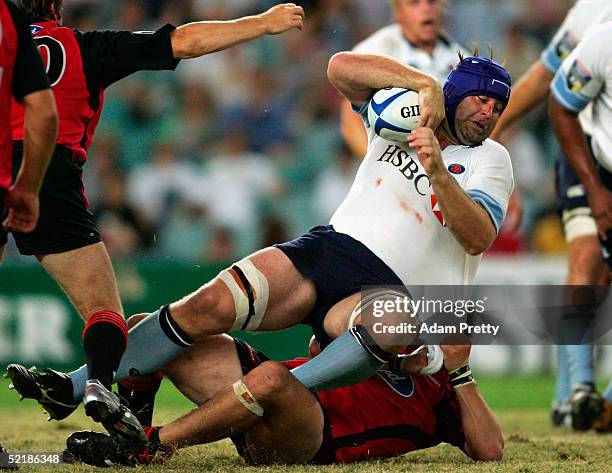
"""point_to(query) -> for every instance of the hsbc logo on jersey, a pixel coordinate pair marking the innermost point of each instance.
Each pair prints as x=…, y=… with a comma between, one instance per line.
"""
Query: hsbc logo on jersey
x=409, y=167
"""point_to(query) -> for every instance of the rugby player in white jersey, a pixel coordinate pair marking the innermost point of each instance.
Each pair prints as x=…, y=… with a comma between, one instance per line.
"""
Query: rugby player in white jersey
x=585, y=265
x=584, y=78
x=417, y=39
x=420, y=212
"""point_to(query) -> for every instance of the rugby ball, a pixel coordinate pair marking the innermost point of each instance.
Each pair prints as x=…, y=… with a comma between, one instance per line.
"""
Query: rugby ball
x=393, y=113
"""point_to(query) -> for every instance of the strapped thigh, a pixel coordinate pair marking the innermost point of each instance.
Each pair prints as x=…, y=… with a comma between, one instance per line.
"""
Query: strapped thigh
x=250, y=291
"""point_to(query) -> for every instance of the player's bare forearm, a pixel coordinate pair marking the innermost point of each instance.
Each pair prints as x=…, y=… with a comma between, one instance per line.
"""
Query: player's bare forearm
x=483, y=436
x=356, y=76
x=204, y=37
x=530, y=91
x=40, y=125
x=575, y=147
x=352, y=130
x=574, y=144
x=470, y=224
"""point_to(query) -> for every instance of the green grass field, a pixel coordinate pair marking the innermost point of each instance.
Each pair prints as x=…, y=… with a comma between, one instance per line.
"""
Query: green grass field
x=521, y=404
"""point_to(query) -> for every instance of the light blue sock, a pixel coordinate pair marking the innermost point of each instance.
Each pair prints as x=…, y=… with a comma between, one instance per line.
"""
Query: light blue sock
x=607, y=394
x=564, y=388
x=344, y=362
x=580, y=359
x=577, y=334
x=153, y=342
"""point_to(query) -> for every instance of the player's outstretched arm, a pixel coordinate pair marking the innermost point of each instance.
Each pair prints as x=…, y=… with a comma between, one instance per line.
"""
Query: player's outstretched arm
x=530, y=90
x=483, y=436
x=41, y=124
x=352, y=130
x=203, y=37
x=574, y=145
x=356, y=76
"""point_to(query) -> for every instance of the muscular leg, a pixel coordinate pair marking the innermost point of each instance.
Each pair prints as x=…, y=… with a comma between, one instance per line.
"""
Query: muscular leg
x=355, y=355
x=87, y=277
x=585, y=268
x=216, y=364
x=290, y=431
x=209, y=311
x=586, y=265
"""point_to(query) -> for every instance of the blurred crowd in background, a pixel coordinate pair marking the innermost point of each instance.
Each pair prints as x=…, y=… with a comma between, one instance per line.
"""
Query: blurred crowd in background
x=241, y=149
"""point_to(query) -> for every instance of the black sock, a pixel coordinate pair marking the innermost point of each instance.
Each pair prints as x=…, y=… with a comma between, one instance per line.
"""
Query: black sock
x=104, y=341
x=140, y=393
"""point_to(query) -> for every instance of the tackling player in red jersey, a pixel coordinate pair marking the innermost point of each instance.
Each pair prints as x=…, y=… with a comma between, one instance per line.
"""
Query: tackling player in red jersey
x=80, y=67
x=271, y=417
x=22, y=77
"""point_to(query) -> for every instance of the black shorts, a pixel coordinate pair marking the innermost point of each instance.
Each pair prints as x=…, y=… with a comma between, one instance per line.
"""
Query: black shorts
x=339, y=266
x=65, y=223
x=250, y=358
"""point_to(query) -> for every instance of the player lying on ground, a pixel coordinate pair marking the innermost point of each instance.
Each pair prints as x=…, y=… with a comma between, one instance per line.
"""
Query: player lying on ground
x=80, y=66
x=406, y=221
x=271, y=417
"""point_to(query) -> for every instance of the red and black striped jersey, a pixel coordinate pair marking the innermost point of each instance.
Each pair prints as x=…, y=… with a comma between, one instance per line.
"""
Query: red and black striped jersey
x=80, y=66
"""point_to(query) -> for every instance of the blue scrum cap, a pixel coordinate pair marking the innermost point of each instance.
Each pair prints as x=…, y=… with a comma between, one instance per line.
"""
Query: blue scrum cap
x=475, y=75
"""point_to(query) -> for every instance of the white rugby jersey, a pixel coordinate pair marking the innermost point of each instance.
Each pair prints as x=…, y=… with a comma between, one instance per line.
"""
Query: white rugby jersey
x=584, y=78
x=391, y=207
x=583, y=15
x=391, y=42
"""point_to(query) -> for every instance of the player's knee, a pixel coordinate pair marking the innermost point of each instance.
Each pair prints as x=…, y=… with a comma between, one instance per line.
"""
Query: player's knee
x=390, y=325
x=200, y=313
x=134, y=319
x=268, y=380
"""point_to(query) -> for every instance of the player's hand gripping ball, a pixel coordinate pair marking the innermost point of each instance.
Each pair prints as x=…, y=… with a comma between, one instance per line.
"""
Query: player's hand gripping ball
x=393, y=113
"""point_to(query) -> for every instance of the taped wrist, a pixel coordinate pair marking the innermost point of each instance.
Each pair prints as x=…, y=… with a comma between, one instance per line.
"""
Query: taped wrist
x=435, y=359
x=461, y=376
